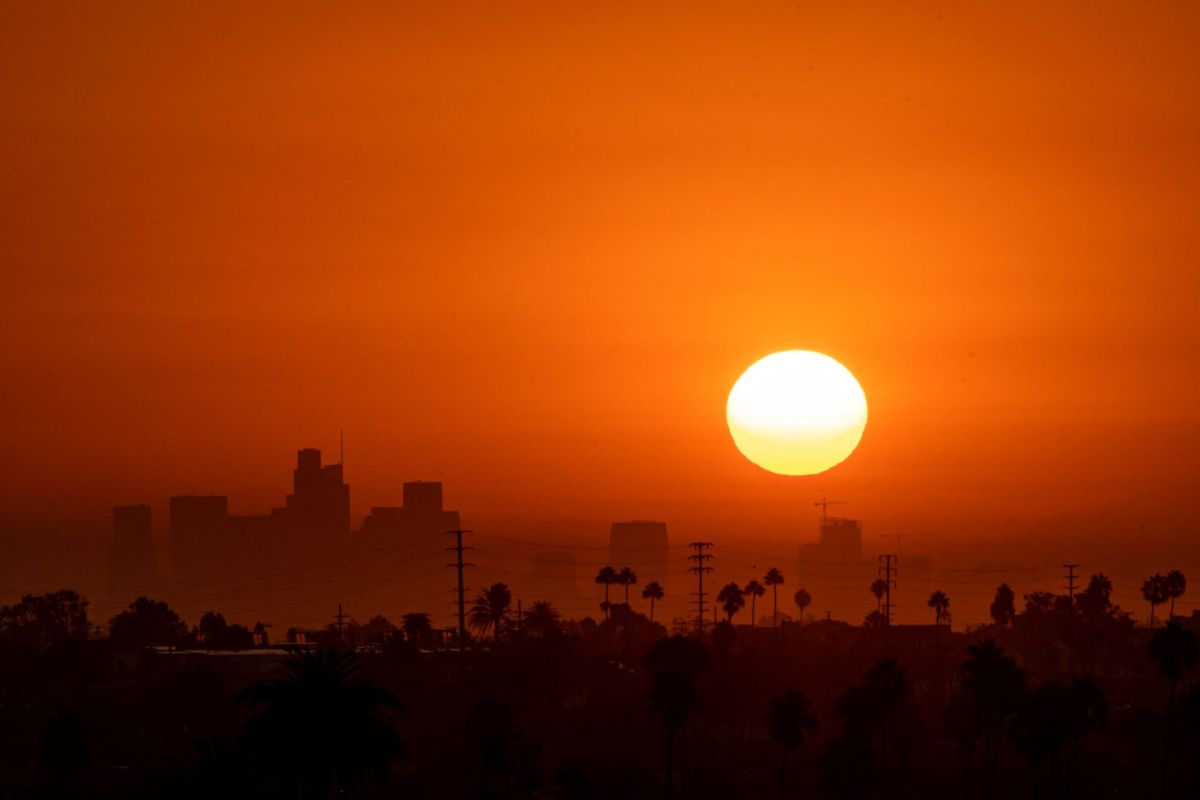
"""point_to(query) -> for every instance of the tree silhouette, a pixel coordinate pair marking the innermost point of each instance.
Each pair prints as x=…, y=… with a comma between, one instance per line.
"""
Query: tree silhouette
x=994, y=683
x=607, y=576
x=1039, y=731
x=1173, y=650
x=879, y=588
x=1087, y=709
x=940, y=604
x=732, y=600
x=321, y=729
x=543, y=620
x=753, y=590
x=1174, y=586
x=774, y=579
x=146, y=623
x=803, y=600
x=788, y=720
x=1154, y=590
x=217, y=634
x=627, y=577
x=1004, y=606
x=40, y=621
x=490, y=610
x=871, y=707
x=418, y=628
x=674, y=665
x=653, y=591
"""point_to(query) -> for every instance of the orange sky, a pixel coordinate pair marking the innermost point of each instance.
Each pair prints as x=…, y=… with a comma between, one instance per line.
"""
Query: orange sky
x=527, y=249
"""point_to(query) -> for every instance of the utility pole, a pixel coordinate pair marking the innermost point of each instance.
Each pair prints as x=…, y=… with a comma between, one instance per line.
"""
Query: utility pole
x=340, y=625
x=462, y=596
x=700, y=557
x=1070, y=579
x=887, y=569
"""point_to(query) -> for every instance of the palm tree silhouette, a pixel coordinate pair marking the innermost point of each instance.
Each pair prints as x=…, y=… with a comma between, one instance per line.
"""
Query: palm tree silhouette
x=803, y=600
x=674, y=664
x=774, y=579
x=652, y=591
x=1173, y=650
x=607, y=576
x=732, y=600
x=1087, y=709
x=940, y=604
x=321, y=729
x=543, y=620
x=1154, y=590
x=626, y=577
x=1039, y=731
x=490, y=610
x=753, y=590
x=418, y=627
x=1174, y=585
x=995, y=684
x=788, y=720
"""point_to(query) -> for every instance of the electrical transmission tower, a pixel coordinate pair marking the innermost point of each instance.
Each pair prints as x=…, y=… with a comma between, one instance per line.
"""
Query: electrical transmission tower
x=458, y=549
x=1070, y=579
x=700, y=557
x=888, y=568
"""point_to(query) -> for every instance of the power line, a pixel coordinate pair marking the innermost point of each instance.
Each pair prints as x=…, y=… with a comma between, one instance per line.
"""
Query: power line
x=462, y=597
x=700, y=557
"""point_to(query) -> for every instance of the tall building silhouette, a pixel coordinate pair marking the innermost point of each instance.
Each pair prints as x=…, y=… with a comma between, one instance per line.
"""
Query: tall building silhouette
x=199, y=536
x=132, y=557
x=643, y=546
x=320, y=498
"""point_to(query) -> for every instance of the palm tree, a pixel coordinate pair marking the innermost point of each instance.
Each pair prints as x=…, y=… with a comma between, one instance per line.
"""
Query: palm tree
x=803, y=600
x=774, y=579
x=940, y=604
x=626, y=577
x=1087, y=708
x=674, y=664
x=652, y=591
x=1154, y=590
x=607, y=576
x=543, y=620
x=753, y=590
x=995, y=684
x=321, y=729
x=1174, y=650
x=491, y=609
x=1174, y=585
x=789, y=720
x=732, y=600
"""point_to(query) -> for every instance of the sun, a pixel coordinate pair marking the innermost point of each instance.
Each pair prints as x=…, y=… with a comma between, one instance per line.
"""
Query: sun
x=797, y=412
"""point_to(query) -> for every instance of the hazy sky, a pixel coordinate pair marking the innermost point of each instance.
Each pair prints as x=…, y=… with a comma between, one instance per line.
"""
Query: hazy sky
x=527, y=250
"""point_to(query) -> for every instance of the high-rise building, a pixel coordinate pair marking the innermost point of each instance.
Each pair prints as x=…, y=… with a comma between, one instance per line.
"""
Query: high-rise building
x=643, y=546
x=199, y=536
x=320, y=498
x=132, y=564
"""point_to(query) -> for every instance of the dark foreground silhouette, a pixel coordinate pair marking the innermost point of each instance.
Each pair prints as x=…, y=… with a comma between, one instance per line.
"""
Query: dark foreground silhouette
x=1063, y=698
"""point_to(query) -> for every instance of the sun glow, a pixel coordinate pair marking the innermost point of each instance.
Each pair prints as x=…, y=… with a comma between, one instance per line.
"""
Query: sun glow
x=796, y=412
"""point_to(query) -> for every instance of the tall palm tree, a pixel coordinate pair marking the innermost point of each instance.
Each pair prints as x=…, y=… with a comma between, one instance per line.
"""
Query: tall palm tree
x=803, y=600
x=995, y=685
x=652, y=591
x=1174, y=585
x=321, y=730
x=1087, y=709
x=627, y=577
x=607, y=576
x=732, y=600
x=788, y=720
x=674, y=665
x=774, y=579
x=1174, y=650
x=1154, y=590
x=491, y=609
x=753, y=590
x=940, y=604
x=1004, y=606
